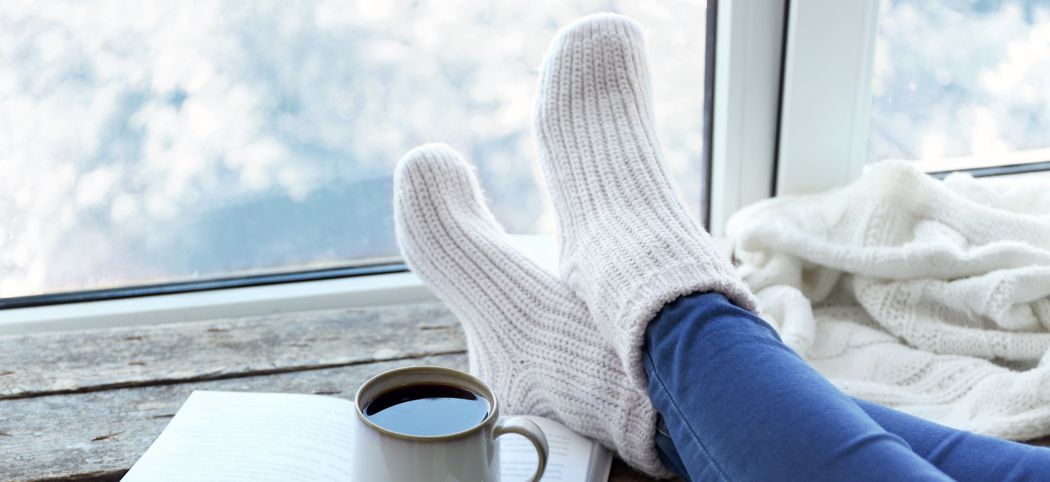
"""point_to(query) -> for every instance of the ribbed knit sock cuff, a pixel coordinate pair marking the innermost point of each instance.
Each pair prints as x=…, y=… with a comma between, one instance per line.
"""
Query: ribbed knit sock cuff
x=644, y=301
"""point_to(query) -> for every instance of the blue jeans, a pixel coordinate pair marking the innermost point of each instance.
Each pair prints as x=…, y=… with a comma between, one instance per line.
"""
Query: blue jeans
x=738, y=404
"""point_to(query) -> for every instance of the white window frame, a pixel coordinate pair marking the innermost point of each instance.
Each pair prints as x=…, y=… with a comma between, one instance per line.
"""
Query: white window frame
x=826, y=104
x=354, y=292
x=360, y=291
x=748, y=50
x=792, y=98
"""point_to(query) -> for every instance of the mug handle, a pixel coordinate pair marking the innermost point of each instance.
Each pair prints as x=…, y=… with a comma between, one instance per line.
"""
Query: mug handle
x=528, y=429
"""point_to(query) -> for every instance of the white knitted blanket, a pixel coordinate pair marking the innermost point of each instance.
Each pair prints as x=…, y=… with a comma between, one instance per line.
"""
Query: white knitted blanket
x=929, y=296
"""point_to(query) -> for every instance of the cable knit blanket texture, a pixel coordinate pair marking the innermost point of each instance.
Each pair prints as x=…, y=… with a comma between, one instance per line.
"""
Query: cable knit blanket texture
x=929, y=296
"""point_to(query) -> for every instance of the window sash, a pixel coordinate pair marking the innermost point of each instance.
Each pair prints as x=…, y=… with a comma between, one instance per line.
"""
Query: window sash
x=746, y=105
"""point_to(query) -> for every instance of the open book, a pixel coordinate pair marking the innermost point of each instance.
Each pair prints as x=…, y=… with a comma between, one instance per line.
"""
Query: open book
x=258, y=437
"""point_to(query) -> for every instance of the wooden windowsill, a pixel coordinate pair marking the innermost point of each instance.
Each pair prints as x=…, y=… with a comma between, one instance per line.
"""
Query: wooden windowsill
x=84, y=405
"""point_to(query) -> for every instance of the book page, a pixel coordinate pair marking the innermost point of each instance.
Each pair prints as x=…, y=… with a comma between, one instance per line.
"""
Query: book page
x=570, y=458
x=258, y=437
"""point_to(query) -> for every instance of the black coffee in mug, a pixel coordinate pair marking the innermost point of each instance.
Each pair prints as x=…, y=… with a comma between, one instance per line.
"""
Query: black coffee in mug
x=427, y=410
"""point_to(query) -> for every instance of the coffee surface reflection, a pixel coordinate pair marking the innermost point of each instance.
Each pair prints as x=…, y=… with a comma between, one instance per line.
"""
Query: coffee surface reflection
x=427, y=410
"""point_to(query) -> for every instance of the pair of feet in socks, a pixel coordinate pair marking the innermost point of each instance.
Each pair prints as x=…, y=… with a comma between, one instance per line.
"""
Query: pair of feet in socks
x=569, y=347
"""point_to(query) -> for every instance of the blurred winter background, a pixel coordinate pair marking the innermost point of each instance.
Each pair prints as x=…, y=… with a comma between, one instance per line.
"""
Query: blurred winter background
x=146, y=141
x=958, y=79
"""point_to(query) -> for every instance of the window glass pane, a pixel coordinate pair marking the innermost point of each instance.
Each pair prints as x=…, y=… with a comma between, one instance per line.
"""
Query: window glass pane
x=148, y=141
x=962, y=84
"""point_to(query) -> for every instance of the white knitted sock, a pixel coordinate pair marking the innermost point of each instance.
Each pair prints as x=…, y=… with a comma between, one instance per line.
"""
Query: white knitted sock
x=530, y=337
x=627, y=245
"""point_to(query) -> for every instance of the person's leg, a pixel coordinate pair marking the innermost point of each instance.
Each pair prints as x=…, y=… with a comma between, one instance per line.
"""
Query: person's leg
x=963, y=455
x=740, y=405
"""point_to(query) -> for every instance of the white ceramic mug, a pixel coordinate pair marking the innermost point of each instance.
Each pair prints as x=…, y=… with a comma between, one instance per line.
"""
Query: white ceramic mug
x=471, y=455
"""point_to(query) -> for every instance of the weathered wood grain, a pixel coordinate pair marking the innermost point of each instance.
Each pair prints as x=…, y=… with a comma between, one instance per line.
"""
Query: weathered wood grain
x=85, y=405
x=98, y=435
x=51, y=363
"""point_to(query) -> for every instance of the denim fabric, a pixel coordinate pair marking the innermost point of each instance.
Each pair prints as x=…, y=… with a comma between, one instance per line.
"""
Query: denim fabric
x=737, y=404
